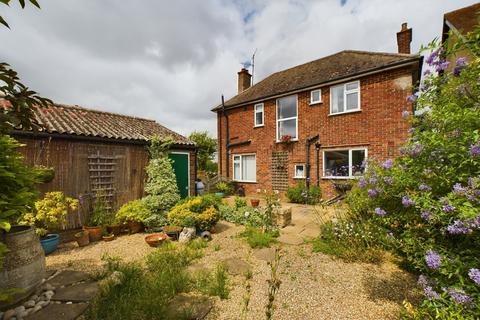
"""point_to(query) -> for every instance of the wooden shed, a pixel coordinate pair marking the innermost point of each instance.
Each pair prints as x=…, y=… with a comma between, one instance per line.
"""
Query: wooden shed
x=92, y=150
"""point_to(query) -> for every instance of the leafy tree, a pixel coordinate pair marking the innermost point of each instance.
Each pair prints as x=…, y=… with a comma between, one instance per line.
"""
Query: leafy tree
x=206, y=147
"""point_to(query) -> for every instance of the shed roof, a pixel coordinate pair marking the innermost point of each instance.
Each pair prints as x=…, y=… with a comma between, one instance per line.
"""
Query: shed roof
x=337, y=66
x=465, y=19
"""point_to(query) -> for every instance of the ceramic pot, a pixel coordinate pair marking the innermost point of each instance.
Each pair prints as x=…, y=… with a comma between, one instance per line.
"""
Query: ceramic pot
x=156, y=239
x=108, y=238
x=94, y=233
x=255, y=202
x=83, y=238
x=50, y=243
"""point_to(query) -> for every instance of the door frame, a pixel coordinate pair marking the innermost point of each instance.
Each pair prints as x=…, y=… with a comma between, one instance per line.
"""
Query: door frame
x=188, y=168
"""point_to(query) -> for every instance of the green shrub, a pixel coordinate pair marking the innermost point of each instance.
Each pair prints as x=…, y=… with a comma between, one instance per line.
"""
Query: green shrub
x=249, y=216
x=212, y=283
x=132, y=211
x=100, y=216
x=197, y=211
x=224, y=187
x=155, y=221
x=257, y=238
x=240, y=203
x=300, y=194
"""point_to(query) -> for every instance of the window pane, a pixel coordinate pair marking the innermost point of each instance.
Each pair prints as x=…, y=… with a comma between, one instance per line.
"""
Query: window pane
x=299, y=171
x=336, y=163
x=315, y=96
x=337, y=99
x=358, y=156
x=352, y=101
x=236, y=171
x=258, y=118
x=352, y=86
x=287, y=107
x=287, y=127
x=249, y=168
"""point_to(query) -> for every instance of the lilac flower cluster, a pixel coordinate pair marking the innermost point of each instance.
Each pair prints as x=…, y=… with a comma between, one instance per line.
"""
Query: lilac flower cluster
x=448, y=208
x=380, y=212
x=433, y=259
x=372, y=193
x=362, y=183
x=431, y=59
x=458, y=295
x=424, y=187
x=427, y=289
x=407, y=202
x=426, y=214
x=414, y=150
x=474, y=274
x=459, y=227
x=388, y=164
x=461, y=63
x=442, y=65
x=475, y=149
x=457, y=188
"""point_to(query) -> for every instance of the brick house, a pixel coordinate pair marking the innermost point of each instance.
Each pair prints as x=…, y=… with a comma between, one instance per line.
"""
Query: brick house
x=317, y=122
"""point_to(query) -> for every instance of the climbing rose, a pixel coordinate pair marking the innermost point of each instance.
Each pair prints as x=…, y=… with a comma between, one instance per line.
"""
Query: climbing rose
x=474, y=274
x=380, y=212
x=387, y=164
x=433, y=259
x=407, y=202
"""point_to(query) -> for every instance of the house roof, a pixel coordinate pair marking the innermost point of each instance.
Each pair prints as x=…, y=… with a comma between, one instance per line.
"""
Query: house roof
x=337, y=66
x=463, y=20
x=79, y=121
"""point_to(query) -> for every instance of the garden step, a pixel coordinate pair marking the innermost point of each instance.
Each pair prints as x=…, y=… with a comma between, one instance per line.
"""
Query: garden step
x=265, y=254
x=292, y=239
x=67, y=277
x=59, y=312
x=190, y=307
x=77, y=293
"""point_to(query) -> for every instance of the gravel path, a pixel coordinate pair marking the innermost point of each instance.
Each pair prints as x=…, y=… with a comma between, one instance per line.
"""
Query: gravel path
x=314, y=286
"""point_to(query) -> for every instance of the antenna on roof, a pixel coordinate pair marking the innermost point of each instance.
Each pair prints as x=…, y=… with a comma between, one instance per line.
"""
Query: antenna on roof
x=247, y=64
x=253, y=64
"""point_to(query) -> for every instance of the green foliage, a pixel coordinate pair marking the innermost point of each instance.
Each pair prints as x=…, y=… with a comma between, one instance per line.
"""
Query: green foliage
x=18, y=183
x=224, y=187
x=212, y=283
x=211, y=167
x=258, y=238
x=50, y=213
x=134, y=210
x=206, y=147
x=100, y=216
x=429, y=198
x=155, y=221
x=300, y=194
x=240, y=203
x=158, y=148
x=200, y=212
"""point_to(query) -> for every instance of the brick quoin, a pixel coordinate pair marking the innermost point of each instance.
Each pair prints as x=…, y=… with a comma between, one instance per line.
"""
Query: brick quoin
x=379, y=127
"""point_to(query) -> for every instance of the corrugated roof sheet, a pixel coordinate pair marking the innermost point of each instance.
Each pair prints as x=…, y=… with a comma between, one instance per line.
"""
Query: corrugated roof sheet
x=337, y=66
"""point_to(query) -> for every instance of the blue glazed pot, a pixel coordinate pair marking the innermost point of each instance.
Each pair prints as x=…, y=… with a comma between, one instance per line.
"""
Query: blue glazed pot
x=220, y=194
x=50, y=243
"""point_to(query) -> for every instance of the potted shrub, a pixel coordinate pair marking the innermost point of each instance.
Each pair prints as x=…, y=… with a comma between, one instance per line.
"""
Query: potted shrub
x=133, y=214
x=108, y=237
x=223, y=189
x=97, y=218
x=82, y=238
x=50, y=214
x=255, y=202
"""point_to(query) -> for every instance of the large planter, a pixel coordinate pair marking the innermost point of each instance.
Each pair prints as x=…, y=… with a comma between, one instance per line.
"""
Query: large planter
x=156, y=239
x=135, y=226
x=24, y=263
x=83, y=238
x=50, y=243
x=94, y=233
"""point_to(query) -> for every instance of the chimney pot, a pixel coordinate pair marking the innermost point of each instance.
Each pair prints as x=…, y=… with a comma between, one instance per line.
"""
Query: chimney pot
x=404, y=38
x=244, y=80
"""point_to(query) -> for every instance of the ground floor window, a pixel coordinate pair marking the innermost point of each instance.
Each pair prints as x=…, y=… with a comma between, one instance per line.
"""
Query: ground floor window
x=245, y=168
x=299, y=172
x=346, y=163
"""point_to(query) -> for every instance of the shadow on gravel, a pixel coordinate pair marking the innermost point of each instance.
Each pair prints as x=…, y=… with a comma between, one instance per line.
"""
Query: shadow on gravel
x=395, y=287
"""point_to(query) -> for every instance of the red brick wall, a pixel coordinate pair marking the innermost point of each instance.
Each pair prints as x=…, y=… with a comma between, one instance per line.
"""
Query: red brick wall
x=379, y=127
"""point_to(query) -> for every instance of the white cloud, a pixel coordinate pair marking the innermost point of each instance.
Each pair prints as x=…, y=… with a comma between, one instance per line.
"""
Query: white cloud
x=171, y=62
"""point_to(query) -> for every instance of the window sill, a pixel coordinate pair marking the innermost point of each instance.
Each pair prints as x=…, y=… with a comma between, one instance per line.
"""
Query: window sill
x=293, y=140
x=299, y=178
x=339, y=178
x=345, y=112
x=259, y=126
x=245, y=181
x=315, y=103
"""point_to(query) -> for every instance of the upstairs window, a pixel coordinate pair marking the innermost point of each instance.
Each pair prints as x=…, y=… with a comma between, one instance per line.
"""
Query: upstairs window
x=345, y=98
x=287, y=118
x=344, y=163
x=245, y=168
x=316, y=96
x=259, y=116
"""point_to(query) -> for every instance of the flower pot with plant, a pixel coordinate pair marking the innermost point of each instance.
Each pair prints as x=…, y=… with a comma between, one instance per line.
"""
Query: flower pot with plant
x=223, y=189
x=108, y=237
x=255, y=202
x=98, y=218
x=133, y=214
x=50, y=214
x=82, y=238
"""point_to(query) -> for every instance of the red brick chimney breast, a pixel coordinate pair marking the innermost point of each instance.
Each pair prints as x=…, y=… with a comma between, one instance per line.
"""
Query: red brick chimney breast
x=244, y=80
x=404, y=38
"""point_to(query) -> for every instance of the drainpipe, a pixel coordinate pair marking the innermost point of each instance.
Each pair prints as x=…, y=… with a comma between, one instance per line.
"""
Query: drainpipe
x=308, y=143
x=195, y=167
x=219, y=146
x=227, y=138
x=317, y=148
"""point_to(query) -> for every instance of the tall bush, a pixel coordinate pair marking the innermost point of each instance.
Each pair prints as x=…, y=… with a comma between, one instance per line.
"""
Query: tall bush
x=428, y=200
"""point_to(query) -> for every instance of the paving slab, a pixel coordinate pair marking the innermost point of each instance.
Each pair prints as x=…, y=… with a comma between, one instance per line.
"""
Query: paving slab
x=265, y=254
x=67, y=277
x=292, y=239
x=59, y=312
x=185, y=306
x=198, y=267
x=236, y=266
x=77, y=293
x=310, y=232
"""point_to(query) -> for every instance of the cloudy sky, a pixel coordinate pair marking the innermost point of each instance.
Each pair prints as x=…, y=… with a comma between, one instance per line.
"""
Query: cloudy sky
x=171, y=60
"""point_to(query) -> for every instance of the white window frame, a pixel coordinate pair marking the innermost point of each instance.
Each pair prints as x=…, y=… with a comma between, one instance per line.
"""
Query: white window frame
x=345, y=92
x=255, y=111
x=233, y=166
x=319, y=95
x=285, y=119
x=350, y=176
x=295, y=171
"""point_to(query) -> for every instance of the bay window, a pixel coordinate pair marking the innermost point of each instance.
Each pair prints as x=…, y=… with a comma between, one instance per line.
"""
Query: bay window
x=345, y=98
x=245, y=168
x=287, y=118
x=346, y=163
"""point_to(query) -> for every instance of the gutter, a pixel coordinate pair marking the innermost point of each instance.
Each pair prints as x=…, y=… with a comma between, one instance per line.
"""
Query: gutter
x=353, y=76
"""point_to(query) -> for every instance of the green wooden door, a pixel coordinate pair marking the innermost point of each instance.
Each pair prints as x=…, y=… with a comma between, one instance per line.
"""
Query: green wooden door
x=180, y=167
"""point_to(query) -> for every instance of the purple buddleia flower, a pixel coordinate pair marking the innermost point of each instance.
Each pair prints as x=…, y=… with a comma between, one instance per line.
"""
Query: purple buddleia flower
x=424, y=187
x=433, y=259
x=459, y=227
x=433, y=56
x=427, y=72
x=426, y=215
x=412, y=98
x=444, y=201
x=448, y=208
x=407, y=202
x=475, y=149
x=405, y=114
x=461, y=61
x=380, y=212
x=457, y=188
x=388, y=180
x=442, y=66
x=430, y=293
x=372, y=193
x=373, y=181
x=422, y=280
x=416, y=150
x=458, y=295
x=474, y=275
x=388, y=164
x=457, y=70
x=362, y=183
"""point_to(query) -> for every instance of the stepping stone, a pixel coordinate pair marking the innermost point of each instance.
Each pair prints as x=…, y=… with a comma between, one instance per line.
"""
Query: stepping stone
x=68, y=277
x=59, y=312
x=291, y=239
x=310, y=232
x=265, y=254
x=186, y=306
x=78, y=293
x=197, y=267
x=237, y=266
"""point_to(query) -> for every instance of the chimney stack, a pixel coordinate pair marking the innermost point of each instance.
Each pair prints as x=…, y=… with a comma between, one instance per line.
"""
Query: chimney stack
x=404, y=38
x=244, y=80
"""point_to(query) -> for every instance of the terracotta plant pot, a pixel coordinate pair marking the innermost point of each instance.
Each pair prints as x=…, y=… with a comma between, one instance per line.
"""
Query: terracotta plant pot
x=116, y=229
x=156, y=239
x=108, y=238
x=172, y=231
x=255, y=202
x=135, y=226
x=94, y=233
x=82, y=238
